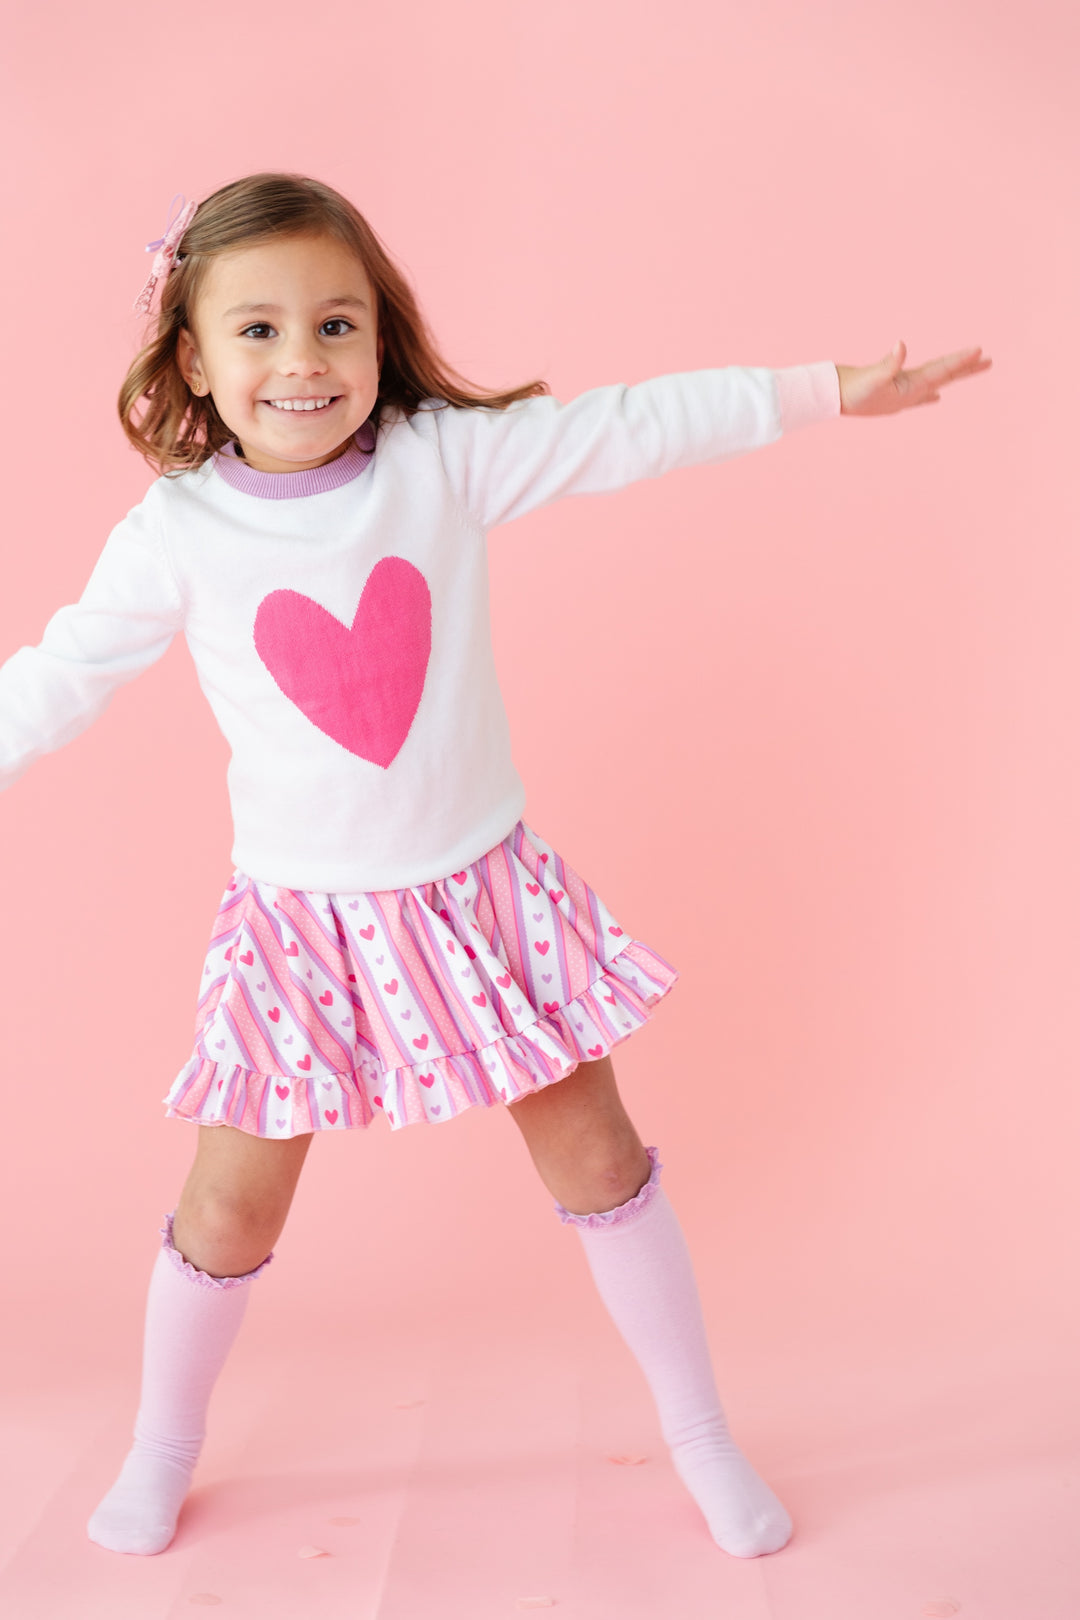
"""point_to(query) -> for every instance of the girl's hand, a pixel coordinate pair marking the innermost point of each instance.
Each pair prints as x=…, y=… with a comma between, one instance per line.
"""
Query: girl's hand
x=879, y=390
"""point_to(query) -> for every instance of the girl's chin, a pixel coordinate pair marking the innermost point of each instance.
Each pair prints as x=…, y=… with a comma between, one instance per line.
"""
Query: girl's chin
x=296, y=450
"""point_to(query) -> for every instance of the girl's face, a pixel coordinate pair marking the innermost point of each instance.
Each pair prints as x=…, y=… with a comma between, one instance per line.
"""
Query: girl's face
x=285, y=341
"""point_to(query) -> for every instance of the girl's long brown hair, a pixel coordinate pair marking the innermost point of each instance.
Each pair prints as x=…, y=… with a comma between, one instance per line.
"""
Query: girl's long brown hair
x=177, y=430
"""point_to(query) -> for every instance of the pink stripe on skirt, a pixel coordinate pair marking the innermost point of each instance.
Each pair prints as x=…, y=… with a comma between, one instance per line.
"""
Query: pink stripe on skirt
x=321, y=1010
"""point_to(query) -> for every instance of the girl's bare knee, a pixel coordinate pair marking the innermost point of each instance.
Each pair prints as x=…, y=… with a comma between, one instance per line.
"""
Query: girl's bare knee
x=595, y=1174
x=595, y=1185
x=235, y=1201
x=583, y=1142
x=224, y=1234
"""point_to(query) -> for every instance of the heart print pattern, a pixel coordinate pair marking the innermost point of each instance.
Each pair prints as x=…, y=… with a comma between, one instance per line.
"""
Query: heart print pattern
x=320, y=1012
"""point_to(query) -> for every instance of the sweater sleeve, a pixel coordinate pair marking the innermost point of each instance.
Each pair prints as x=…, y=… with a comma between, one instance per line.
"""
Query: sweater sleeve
x=503, y=464
x=123, y=622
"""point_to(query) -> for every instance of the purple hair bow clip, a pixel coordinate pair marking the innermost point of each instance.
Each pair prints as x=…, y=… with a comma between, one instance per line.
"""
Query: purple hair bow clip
x=164, y=249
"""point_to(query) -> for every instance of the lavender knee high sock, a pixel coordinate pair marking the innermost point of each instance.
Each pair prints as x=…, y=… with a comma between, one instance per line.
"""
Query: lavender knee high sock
x=191, y=1322
x=641, y=1266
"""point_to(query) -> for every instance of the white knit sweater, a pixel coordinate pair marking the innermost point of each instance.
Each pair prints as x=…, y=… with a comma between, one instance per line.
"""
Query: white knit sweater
x=338, y=619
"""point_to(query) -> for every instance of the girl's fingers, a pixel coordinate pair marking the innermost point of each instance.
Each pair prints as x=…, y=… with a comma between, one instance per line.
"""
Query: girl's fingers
x=888, y=387
x=950, y=367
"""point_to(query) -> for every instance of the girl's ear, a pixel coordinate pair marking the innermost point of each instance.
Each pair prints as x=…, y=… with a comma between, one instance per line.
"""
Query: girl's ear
x=187, y=358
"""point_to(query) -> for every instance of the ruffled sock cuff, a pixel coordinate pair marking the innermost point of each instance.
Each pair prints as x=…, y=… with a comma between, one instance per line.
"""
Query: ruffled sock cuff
x=629, y=1211
x=203, y=1279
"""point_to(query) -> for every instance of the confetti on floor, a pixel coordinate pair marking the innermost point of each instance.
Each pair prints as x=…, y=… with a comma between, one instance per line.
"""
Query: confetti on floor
x=942, y=1608
x=313, y=1552
x=628, y=1462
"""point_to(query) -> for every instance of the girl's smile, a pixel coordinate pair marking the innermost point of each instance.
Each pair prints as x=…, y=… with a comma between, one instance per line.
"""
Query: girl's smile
x=285, y=340
x=302, y=404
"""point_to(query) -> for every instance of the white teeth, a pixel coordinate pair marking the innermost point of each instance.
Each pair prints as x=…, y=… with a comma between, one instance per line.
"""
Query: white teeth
x=298, y=404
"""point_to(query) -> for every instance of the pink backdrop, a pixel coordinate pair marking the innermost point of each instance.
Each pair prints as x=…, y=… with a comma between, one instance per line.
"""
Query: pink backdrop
x=833, y=684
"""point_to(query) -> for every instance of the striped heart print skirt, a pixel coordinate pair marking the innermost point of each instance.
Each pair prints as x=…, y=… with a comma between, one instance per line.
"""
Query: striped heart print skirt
x=320, y=1011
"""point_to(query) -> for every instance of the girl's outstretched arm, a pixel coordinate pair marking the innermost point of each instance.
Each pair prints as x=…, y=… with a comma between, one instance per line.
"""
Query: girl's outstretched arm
x=502, y=464
x=886, y=387
x=124, y=620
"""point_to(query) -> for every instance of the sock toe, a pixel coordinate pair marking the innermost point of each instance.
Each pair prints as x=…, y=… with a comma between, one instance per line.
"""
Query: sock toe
x=745, y=1518
x=139, y=1514
x=124, y=1537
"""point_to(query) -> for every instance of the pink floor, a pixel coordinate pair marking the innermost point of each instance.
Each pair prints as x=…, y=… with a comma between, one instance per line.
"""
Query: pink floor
x=457, y=1464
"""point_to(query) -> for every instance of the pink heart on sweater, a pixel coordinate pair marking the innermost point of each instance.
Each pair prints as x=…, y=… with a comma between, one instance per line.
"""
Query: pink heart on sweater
x=360, y=684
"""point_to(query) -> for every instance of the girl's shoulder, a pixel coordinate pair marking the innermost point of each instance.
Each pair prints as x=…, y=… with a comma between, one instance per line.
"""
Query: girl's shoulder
x=177, y=485
x=169, y=490
x=177, y=496
x=442, y=425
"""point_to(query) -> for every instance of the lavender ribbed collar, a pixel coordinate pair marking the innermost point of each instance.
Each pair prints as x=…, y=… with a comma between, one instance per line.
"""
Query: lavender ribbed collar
x=292, y=486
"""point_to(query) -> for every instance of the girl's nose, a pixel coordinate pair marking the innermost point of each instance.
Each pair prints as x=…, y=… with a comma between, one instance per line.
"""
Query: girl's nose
x=301, y=359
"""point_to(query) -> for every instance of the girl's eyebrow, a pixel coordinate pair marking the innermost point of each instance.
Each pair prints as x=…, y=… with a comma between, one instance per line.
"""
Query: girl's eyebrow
x=273, y=309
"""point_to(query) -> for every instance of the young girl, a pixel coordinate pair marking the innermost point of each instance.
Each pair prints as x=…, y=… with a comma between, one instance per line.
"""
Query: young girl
x=395, y=940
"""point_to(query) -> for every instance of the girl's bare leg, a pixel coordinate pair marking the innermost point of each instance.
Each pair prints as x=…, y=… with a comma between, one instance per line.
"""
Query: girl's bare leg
x=584, y=1146
x=236, y=1197
x=231, y=1212
x=589, y=1155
